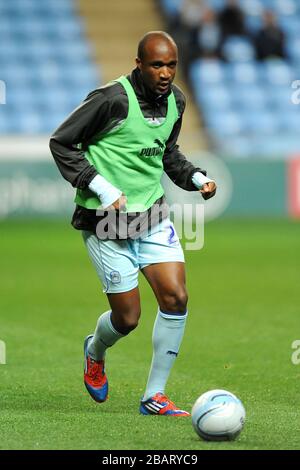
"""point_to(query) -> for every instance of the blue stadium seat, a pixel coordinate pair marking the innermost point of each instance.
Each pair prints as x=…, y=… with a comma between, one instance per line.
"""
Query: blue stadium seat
x=213, y=97
x=15, y=72
x=6, y=28
x=4, y=120
x=45, y=62
x=54, y=98
x=8, y=50
x=216, y=4
x=28, y=123
x=82, y=75
x=20, y=98
x=277, y=72
x=243, y=73
x=249, y=97
x=237, y=146
x=247, y=105
x=253, y=23
x=32, y=7
x=73, y=51
x=289, y=121
x=171, y=7
x=284, y=144
x=259, y=122
x=293, y=49
x=47, y=29
x=286, y=7
x=280, y=98
x=238, y=49
x=224, y=124
x=252, y=8
x=207, y=71
x=290, y=25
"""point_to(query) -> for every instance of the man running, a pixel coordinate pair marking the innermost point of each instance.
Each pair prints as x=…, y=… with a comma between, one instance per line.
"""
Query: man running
x=114, y=149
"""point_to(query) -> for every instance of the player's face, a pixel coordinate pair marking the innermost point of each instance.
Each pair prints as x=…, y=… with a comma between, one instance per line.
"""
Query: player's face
x=158, y=66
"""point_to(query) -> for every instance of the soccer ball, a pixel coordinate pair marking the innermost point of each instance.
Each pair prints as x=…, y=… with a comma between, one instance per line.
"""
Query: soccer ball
x=218, y=415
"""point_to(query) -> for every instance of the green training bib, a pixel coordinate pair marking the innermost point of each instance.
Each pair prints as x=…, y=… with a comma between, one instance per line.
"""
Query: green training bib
x=130, y=156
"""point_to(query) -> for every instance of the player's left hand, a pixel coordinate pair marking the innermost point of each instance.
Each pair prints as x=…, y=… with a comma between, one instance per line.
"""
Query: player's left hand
x=208, y=190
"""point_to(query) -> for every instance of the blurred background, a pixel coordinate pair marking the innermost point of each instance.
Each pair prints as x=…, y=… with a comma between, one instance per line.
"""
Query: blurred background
x=240, y=61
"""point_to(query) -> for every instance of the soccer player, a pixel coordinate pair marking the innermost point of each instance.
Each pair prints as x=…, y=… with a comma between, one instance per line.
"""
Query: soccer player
x=113, y=149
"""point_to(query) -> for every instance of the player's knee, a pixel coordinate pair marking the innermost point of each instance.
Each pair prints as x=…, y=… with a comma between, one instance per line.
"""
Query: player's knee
x=130, y=324
x=175, y=302
x=127, y=323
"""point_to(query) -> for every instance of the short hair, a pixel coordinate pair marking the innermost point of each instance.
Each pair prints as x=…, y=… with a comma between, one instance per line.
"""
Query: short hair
x=150, y=35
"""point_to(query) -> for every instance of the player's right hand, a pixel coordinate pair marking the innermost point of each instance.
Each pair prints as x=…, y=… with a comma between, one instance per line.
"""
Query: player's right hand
x=208, y=190
x=119, y=204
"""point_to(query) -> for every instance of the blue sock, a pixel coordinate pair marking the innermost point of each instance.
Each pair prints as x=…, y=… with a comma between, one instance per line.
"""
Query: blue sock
x=167, y=336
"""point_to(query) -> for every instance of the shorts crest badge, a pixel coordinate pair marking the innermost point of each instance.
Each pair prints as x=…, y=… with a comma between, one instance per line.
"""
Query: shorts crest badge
x=115, y=277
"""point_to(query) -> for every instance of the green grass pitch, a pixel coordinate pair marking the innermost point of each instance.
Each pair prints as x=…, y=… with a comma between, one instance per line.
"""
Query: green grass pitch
x=243, y=317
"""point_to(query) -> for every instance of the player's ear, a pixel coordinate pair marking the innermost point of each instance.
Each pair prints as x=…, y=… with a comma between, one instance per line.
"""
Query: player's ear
x=138, y=62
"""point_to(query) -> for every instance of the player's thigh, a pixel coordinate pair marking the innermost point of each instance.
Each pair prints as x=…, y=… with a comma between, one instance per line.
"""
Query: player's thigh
x=161, y=260
x=168, y=282
x=115, y=262
x=161, y=245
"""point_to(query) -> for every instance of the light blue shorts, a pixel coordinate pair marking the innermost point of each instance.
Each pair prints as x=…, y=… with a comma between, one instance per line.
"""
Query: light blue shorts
x=118, y=261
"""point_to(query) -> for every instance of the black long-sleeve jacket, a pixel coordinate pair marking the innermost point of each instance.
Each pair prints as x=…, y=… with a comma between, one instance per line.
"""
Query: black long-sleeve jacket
x=102, y=110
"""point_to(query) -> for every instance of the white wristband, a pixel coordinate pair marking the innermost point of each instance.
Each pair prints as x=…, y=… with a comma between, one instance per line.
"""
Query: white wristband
x=106, y=192
x=199, y=180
